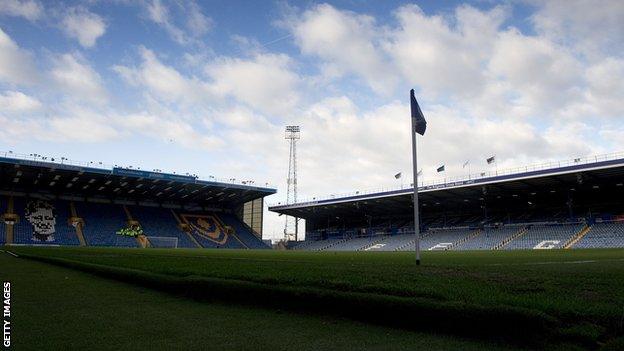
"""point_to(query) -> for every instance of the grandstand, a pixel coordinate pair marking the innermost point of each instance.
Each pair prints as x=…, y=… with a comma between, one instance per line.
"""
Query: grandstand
x=569, y=204
x=48, y=203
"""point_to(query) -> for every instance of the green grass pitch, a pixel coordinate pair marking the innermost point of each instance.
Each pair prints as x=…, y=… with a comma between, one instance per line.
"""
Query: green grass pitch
x=198, y=299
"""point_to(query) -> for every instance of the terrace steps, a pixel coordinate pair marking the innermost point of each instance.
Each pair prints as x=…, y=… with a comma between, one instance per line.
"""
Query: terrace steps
x=74, y=215
x=10, y=228
x=181, y=226
x=522, y=231
x=413, y=241
x=142, y=242
x=332, y=244
x=475, y=234
x=364, y=248
x=576, y=238
x=231, y=231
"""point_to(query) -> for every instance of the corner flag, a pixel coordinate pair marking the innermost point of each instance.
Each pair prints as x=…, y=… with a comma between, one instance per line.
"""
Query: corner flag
x=420, y=125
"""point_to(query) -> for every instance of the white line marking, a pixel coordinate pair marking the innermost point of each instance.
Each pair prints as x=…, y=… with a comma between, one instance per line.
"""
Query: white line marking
x=11, y=253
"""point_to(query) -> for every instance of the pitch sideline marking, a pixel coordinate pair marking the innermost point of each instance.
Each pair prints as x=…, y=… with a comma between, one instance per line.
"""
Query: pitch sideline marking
x=554, y=262
x=10, y=253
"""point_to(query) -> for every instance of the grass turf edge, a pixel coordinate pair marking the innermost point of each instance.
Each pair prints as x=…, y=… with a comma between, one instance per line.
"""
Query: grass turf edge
x=502, y=323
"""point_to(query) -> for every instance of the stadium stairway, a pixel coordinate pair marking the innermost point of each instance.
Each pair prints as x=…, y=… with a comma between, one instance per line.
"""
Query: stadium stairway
x=475, y=234
x=230, y=230
x=184, y=228
x=101, y=223
x=10, y=228
x=372, y=243
x=388, y=242
x=405, y=246
x=411, y=244
x=78, y=224
x=158, y=222
x=141, y=240
x=354, y=244
x=490, y=237
x=578, y=237
x=545, y=236
x=519, y=233
x=602, y=235
x=242, y=232
x=331, y=243
x=444, y=239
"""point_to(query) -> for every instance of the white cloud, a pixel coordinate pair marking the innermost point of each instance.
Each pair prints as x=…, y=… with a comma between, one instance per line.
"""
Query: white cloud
x=441, y=57
x=170, y=129
x=591, y=27
x=73, y=75
x=83, y=25
x=64, y=123
x=16, y=64
x=526, y=94
x=346, y=42
x=16, y=101
x=83, y=129
x=606, y=88
x=196, y=23
x=29, y=9
x=543, y=75
x=265, y=82
x=163, y=81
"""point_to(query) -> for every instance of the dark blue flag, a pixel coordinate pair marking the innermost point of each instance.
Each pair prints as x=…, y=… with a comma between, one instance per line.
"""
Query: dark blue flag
x=420, y=125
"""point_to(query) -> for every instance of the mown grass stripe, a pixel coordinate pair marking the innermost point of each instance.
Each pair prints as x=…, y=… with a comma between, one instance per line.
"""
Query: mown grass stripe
x=514, y=324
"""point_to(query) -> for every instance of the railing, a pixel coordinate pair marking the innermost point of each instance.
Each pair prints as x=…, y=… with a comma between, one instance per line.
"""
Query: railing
x=37, y=158
x=447, y=181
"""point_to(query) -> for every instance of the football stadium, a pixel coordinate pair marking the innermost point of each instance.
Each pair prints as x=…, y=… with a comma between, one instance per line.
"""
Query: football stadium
x=526, y=258
x=571, y=204
x=524, y=253
x=50, y=203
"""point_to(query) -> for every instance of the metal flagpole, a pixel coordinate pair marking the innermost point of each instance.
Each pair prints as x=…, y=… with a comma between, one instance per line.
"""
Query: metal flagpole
x=415, y=170
x=419, y=125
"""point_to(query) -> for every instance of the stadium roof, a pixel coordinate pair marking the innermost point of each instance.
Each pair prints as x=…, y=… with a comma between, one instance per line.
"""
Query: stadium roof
x=595, y=173
x=60, y=179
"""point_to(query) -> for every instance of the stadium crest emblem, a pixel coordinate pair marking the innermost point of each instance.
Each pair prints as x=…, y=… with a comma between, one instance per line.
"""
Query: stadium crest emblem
x=207, y=227
x=41, y=215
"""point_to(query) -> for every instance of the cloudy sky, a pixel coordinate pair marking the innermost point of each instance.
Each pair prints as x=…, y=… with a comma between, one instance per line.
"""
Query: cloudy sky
x=207, y=87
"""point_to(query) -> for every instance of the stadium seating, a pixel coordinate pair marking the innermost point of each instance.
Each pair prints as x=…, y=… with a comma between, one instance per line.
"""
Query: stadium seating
x=3, y=208
x=440, y=239
x=243, y=232
x=392, y=243
x=603, y=234
x=102, y=221
x=160, y=222
x=508, y=237
x=318, y=244
x=203, y=225
x=488, y=238
x=354, y=244
x=545, y=236
x=43, y=222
